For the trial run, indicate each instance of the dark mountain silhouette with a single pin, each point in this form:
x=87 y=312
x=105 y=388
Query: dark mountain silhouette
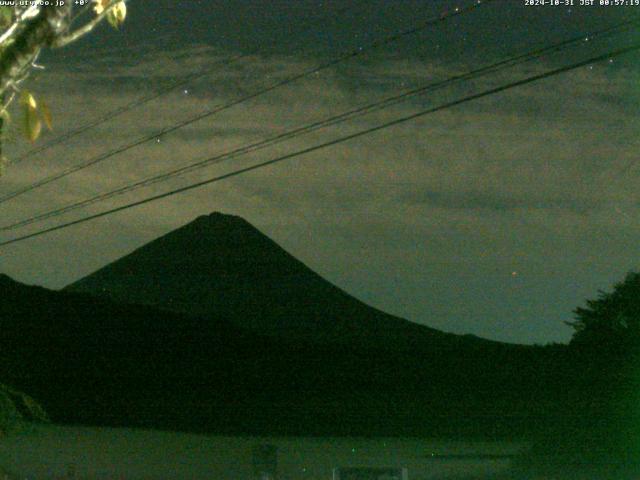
x=221 y=265
x=213 y=327
x=89 y=360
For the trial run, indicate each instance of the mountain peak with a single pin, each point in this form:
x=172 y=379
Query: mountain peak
x=218 y=217
x=220 y=264
x=217 y=225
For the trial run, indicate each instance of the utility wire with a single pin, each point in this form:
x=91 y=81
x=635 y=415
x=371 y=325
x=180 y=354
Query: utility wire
x=398 y=121
x=291 y=79
x=153 y=95
x=333 y=120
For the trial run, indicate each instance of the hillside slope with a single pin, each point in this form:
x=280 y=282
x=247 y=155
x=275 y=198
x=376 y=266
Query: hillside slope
x=91 y=361
x=221 y=265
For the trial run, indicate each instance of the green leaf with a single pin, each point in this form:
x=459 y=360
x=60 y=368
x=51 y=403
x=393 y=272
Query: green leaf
x=27 y=98
x=32 y=123
x=117 y=14
x=6 y=16
x=5 y=116
x=46 y=114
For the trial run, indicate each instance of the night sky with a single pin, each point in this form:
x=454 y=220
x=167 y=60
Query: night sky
x=497 y=217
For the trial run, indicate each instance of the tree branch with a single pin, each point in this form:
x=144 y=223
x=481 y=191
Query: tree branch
x=39 y=31
x=85 y=29
x=30 y=12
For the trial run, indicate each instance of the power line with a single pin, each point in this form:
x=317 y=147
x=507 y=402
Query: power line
x=345 y=116
x=208 y=113
x=398 y=121
x=153 y=95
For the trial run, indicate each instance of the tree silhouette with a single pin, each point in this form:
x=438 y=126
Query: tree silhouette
x=601 y=378
x=612 y=321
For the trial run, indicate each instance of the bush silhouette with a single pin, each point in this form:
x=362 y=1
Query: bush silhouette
x=612 y=321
